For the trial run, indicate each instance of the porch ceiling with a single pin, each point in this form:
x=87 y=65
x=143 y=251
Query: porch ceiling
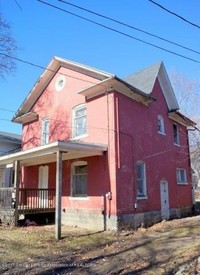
x=47 y=153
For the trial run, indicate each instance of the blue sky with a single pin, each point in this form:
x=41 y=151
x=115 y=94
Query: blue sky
x=42 y=32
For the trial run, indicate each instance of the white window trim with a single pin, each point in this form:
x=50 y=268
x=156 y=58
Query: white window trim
x=73 y=165
x=74 y=137
x=60 y=83
x=160 y=118
x=144 y=196
x=42 y=131
x=178 y=137
x=185 y=175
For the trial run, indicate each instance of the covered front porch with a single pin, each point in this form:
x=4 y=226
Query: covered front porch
x=21 y=200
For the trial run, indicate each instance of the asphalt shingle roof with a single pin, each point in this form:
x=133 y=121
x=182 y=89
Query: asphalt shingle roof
x=144 y=80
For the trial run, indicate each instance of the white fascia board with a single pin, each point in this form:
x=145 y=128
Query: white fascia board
x=179 y=118
x=94 y=149
x=167 y=89
x=93 y=72
x=97 y=88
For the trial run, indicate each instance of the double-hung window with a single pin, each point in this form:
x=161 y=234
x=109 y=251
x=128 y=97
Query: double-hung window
x=176 y=134
x=161 y=129
x=181 y=176
x=79 y=121
x=141 y=179
x=79 y=179
x=45 y=131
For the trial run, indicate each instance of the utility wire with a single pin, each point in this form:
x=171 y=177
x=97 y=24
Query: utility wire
x=129 y=26
x=7 y=110
x=119 y=32
x=47 y=69
x=173 y=13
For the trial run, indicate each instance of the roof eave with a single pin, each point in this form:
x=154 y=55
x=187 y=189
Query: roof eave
x=47 y=76
x=180 y=118
x=46 y=153
x=119 y=85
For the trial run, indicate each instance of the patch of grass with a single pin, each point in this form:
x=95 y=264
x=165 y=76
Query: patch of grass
x=20 y=243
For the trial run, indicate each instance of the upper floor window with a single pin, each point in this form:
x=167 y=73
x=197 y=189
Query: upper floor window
x=161 y=129
x=60 y=83
x=45 y=131
x=181 y=176
x=79 y=121
x=141 y=179
x=79 y=179
x=176 y=134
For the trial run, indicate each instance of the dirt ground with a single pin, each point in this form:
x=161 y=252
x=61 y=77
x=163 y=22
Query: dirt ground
x=169 y=247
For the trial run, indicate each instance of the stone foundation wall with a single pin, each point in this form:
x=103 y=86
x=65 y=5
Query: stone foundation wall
x=96 y=220
x=134 y=221
x=7 y=217
x=149 y=218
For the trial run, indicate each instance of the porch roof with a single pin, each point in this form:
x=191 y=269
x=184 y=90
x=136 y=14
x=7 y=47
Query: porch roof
x=47 y=153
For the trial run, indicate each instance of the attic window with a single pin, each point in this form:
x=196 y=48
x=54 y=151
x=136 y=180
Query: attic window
x=60 y=83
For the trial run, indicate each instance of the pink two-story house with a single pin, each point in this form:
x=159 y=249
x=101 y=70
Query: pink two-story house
x=100 y=151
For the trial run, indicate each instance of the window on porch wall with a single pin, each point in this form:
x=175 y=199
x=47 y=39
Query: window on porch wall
x=79 y=179
x=45 y=131
x=9 y=176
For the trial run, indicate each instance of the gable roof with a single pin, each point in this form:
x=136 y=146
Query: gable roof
x=144 y=80
x=137 y=86
x=46 y=77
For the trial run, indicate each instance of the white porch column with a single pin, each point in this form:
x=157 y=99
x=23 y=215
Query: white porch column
x=16 y=188
x=58 y=195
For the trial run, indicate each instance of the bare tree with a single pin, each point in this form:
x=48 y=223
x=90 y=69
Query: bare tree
x=188 y=93
x=8 y=48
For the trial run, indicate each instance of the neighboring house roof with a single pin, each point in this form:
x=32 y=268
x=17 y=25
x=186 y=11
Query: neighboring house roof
x=10 y=137
x=144 y=80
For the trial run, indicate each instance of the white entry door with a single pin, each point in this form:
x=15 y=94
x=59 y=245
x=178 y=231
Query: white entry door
x=43 y=184
x=164 y=198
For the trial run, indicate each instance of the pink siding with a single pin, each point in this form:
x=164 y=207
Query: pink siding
x=139 y=140
x=58 y=107
x=100 y=124
x=130 y=131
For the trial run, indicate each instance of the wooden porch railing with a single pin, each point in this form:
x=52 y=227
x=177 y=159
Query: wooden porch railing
x=36 y=199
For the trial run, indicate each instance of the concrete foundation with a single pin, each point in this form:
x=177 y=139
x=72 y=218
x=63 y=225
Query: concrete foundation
x=89 y=219
x=96 y=220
